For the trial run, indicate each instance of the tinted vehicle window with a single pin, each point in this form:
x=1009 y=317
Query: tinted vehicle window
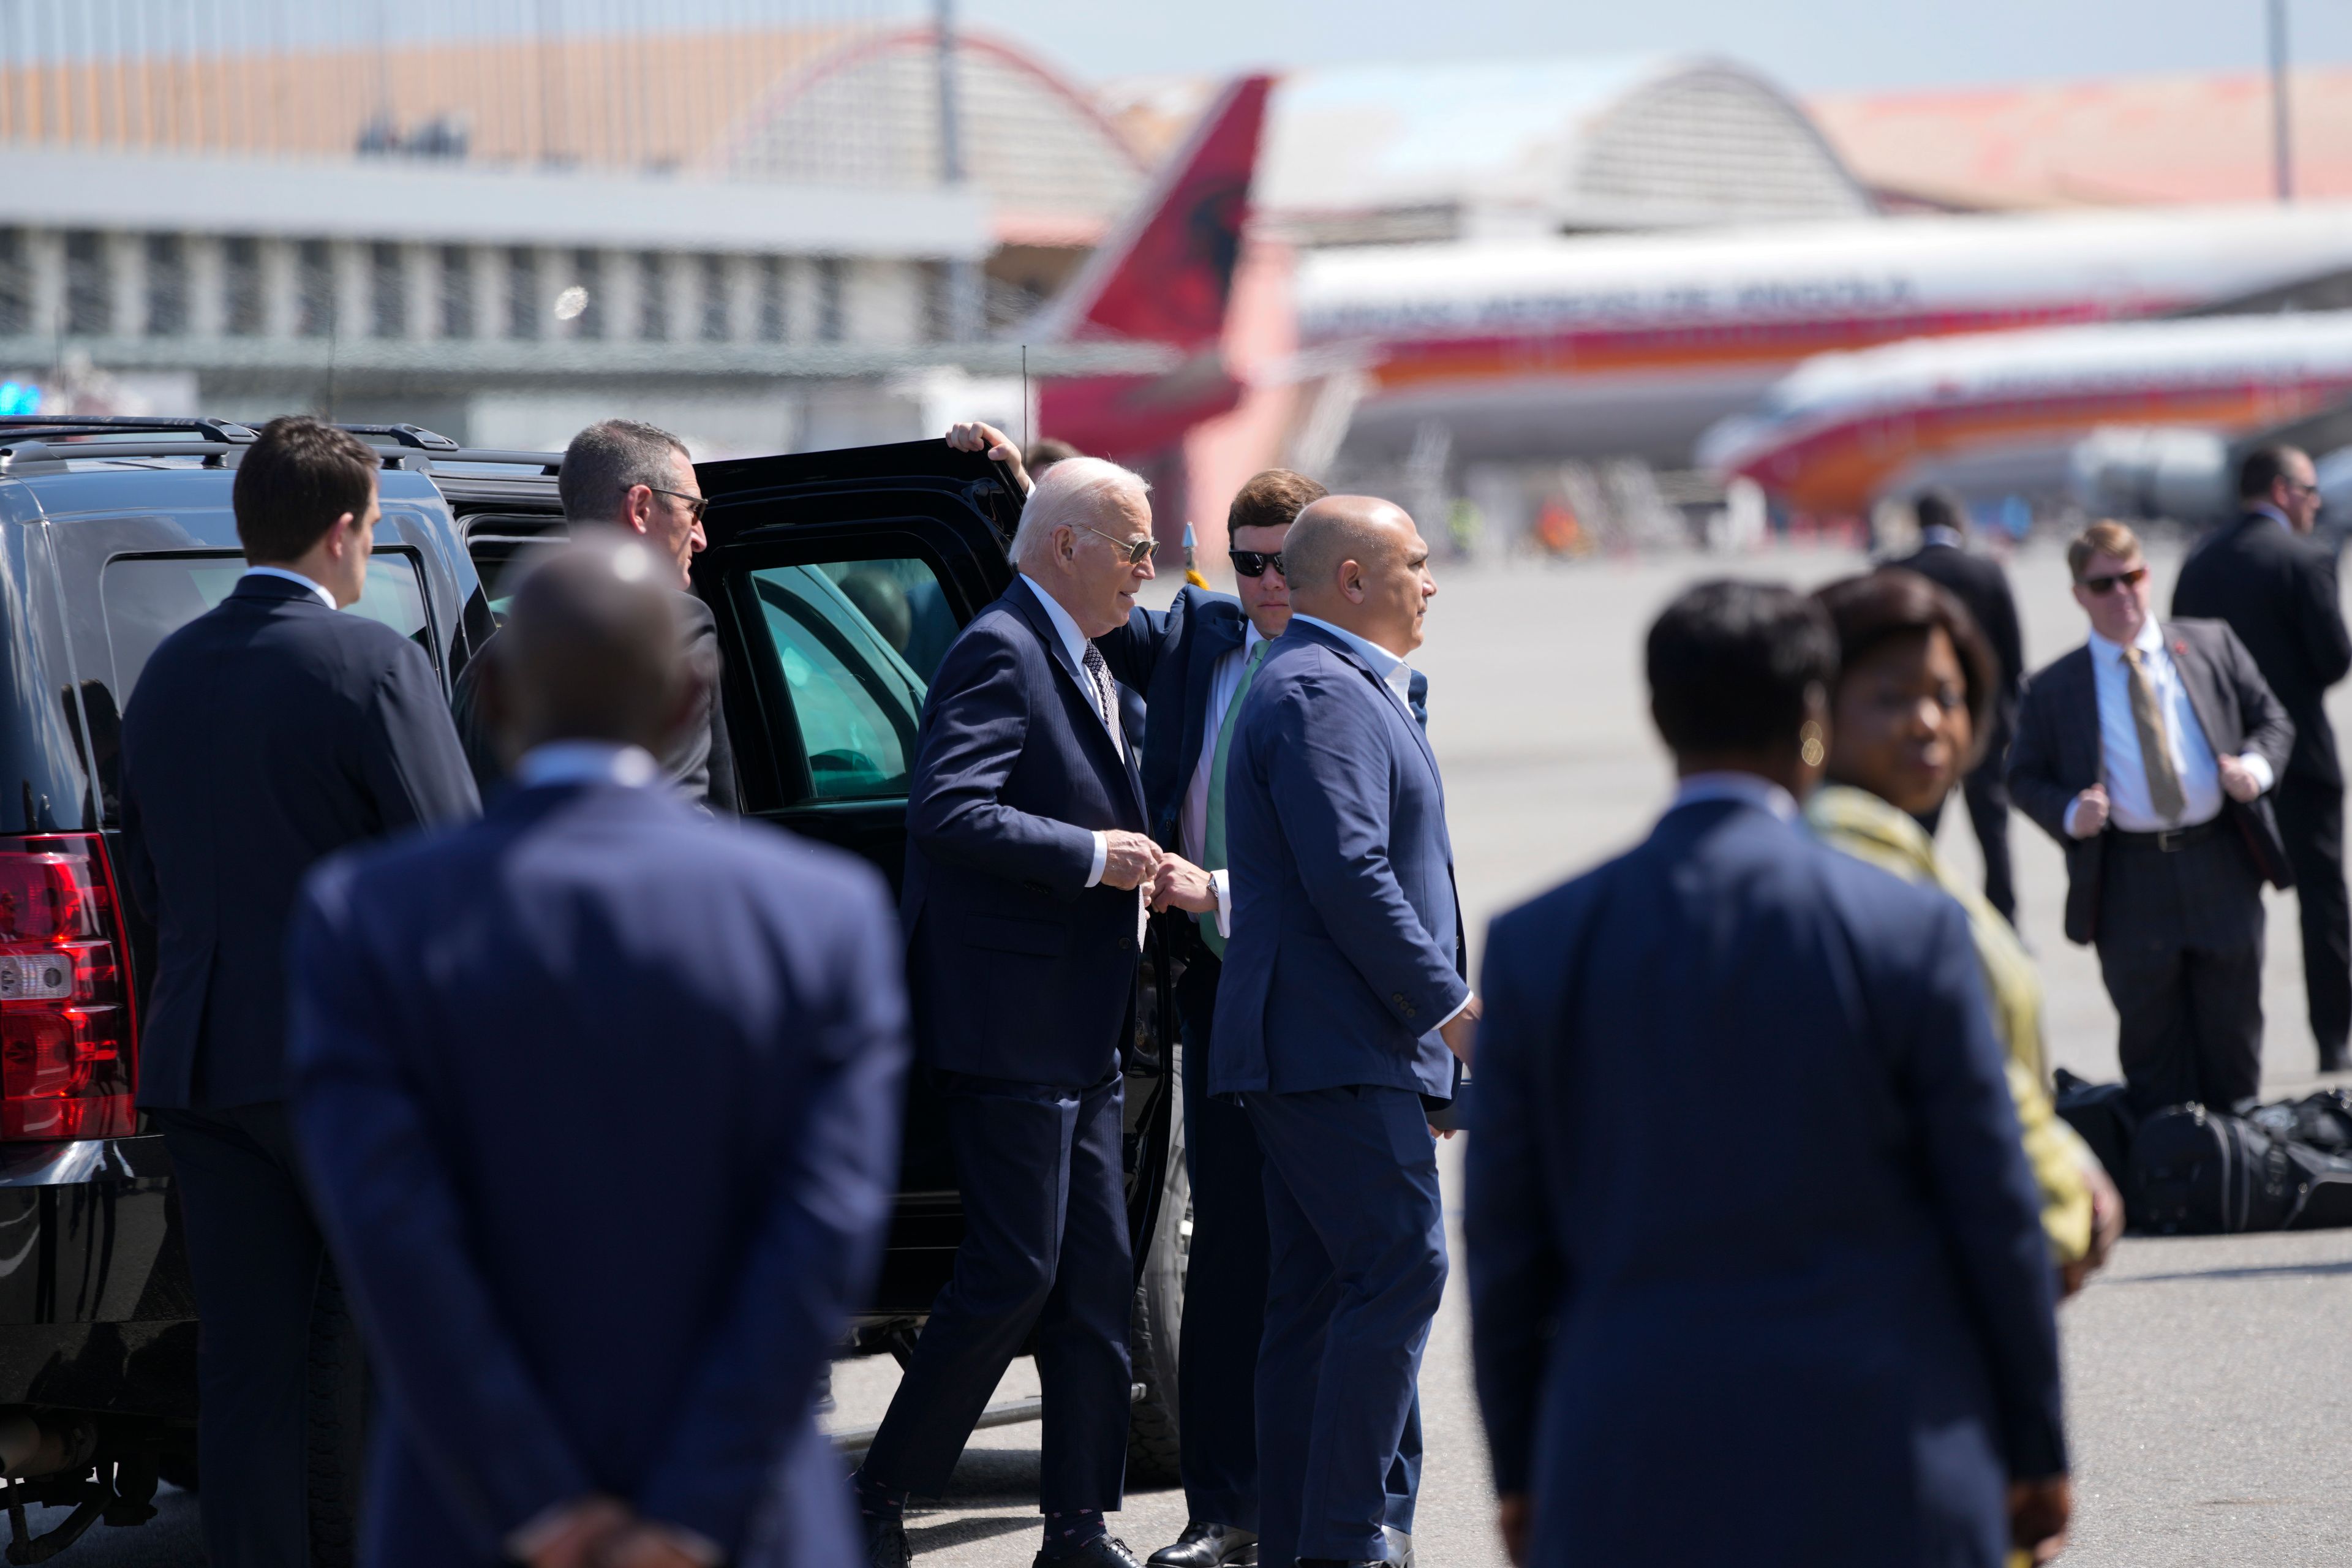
x=146 y=598
x=856 y=643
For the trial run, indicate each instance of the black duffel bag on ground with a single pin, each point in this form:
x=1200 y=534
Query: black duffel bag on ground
x=2321 y=1121
x=2195 y=1172
x=2103 y=1115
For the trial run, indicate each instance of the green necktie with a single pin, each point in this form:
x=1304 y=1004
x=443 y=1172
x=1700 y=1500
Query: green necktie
x=1212 y=830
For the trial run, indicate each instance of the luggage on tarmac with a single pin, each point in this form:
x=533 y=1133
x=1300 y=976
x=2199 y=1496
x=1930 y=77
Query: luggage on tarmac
x=2195 y=1172
x=2101 y=1114
x=2322 y=1120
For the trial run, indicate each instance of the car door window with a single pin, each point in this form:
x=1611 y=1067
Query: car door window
x=854 y=645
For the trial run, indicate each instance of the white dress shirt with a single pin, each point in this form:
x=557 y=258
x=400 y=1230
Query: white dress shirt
x=1075 y=641
x=1752 y=789
x=279 y=571
x=2128 y=805
x=2264 y=508
x=1397 y=676
x=1192 y=817
x=587 y=761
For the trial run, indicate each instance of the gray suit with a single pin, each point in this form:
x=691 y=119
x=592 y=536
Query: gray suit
x=2176 y=917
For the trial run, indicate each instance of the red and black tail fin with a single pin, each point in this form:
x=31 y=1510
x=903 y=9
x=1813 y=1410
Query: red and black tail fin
x=1164 y=274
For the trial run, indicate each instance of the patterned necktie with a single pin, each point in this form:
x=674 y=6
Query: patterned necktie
x=2155 y=742
x=1106 y=696
x=1213 y=826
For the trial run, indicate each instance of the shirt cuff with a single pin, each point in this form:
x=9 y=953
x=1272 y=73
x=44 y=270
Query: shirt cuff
x=2259 y=766
x=1466 y=1000
x=1222 y=880
x=1102 y=854
x=2066 y=822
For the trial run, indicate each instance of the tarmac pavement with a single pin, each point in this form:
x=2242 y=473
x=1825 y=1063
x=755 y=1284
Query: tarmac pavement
x=2206 y=1422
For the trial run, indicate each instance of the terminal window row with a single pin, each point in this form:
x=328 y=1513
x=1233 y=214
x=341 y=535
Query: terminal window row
x=88 y=283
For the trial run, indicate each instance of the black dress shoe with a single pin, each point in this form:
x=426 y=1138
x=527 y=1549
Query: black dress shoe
x=1206 y=1545
x=1102 y=1551
x=886 y=1543
x=2336 y=1060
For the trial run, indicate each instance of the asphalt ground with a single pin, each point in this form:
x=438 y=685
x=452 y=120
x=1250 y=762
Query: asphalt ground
x=2206 y=1422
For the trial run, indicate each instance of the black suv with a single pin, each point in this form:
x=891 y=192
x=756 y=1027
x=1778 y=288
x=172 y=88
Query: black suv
x=837 y=579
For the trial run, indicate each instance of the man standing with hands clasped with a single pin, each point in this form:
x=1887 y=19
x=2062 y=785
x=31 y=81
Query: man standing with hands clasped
x=1340 y=1015
x=2147 y=753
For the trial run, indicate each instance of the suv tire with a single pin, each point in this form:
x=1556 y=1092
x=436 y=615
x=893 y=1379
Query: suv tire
x=1159 y=1317
x=337 y=1425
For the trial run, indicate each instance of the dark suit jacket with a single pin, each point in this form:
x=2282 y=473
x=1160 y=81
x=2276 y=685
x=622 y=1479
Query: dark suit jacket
x=1977 y=581
x=1345 y=952
x=1019 y=970
x=600 y=1099
x=2277 y=590
x=2056 y=755
x=1170 y=655
x=700 y=761
x=1830 y=1341
x=266 y=734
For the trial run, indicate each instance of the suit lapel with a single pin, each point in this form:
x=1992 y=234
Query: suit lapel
x=1043 y=624
x=2082 y=691
x=2203 y=691
x=1213 y=636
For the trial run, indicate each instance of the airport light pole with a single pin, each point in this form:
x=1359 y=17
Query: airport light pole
x=965 y=321
x=2281 y=146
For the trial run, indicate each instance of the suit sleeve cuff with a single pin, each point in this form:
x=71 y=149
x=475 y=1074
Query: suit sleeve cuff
x=1102 y=854
x=1467 y=998
x=1222 y=880
x=2259 y=766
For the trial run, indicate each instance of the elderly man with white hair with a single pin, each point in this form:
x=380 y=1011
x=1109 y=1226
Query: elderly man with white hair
x=1028 y=865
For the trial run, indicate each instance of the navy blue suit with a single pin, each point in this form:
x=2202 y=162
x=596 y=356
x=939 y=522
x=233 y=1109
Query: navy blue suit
x=1024 y=985
x=1829 y=1341
x=601 y=1100
x=265 y=734
x=1345 y=957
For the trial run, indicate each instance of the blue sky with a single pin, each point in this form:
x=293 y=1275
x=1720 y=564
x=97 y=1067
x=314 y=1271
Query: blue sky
x=1806 y=44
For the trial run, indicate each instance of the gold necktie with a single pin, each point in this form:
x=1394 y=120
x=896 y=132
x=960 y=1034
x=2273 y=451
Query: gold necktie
x=2155 y=742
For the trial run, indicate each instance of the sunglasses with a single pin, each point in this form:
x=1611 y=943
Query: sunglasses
x=695 y=504
x=1254 y=563
x=2136 y=576
x=1135 y=550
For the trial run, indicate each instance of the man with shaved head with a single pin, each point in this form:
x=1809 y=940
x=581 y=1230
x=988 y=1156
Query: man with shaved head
x=499 y=1031
x=1342 y=1018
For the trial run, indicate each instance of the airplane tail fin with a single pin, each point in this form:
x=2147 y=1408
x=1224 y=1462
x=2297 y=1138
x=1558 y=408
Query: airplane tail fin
x=1165 y=273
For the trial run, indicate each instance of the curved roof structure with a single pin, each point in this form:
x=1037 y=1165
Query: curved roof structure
x=1399 y=152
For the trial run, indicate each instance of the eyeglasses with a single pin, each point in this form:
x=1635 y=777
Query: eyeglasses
x=2135 y=576
x=1254 y=563
x=1135 y=549
x=697 y=505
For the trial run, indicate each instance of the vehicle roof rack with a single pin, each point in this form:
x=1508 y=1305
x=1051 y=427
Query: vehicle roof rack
x=71 y=427
x=412 y=436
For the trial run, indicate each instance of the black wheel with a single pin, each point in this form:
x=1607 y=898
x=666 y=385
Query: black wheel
x=1152 y=1452
x=338 y=1420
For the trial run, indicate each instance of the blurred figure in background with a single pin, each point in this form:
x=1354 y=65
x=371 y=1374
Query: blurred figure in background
x=2146 y=753
x=1979 y=583
x=2276 y=588
x=1915 y=693
x=1835 y=1344
x=594 y=935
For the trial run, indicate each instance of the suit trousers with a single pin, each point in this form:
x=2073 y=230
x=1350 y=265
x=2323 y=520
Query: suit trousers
x=2181 y=947
x=1224 y=1279
x=1044 y=1248
x=2311 y=820
x=1987 y=792
x=1357 y=1231
x=259 y=1259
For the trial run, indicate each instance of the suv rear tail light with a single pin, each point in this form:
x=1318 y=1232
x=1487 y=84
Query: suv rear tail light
x=68 y=1042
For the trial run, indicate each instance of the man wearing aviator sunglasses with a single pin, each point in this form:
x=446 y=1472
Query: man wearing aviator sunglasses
x=2148 y=753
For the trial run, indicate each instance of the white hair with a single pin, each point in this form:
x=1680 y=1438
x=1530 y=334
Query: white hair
x=1076 y=492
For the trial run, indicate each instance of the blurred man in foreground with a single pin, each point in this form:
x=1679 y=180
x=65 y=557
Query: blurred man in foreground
x=636 y=481
x=1837 y=1345
x=266 y=733
x=2147 y=753
x=1341 y=1014
x=598 y=1025
x=1028 y=866
x=2276 y=588
x=1979 y=583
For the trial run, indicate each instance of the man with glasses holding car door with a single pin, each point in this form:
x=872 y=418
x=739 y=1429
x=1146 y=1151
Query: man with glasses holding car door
x=2147 y=753
x=637 y=479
